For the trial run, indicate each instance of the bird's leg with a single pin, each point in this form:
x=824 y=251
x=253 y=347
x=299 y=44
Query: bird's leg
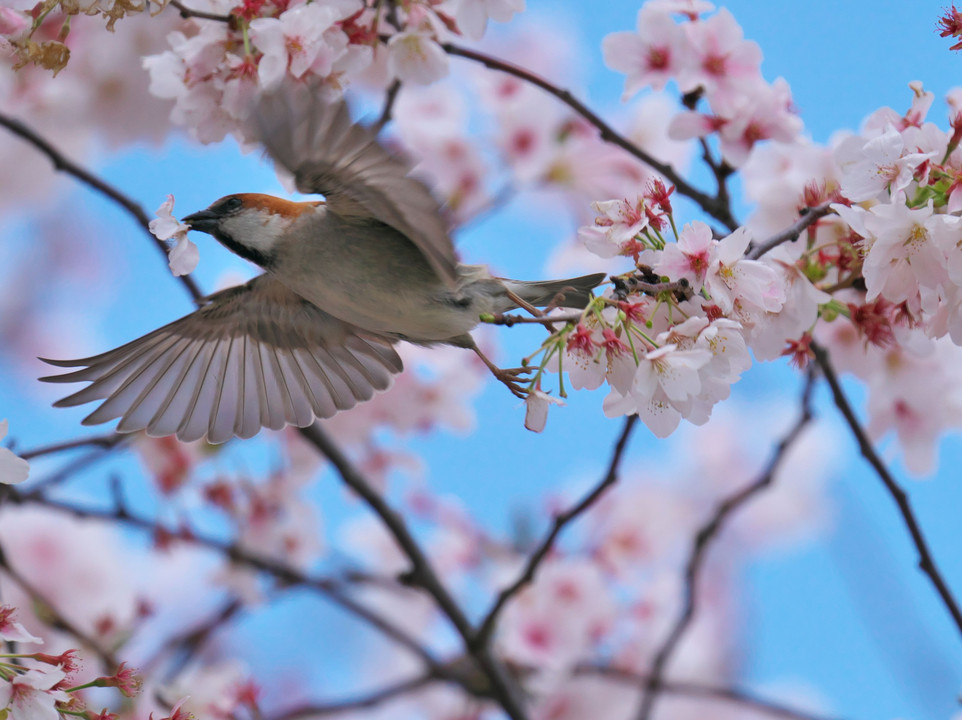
x=524 y=304
x=509 y=376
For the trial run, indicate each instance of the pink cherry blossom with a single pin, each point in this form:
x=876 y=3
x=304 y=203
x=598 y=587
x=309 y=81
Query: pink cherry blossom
x=536 y=409
x=30 y=695
x=184 y=256
x=13 y=469
x=472 y=15
x=651 y=56
x=906 y=247
x=880 y=163
x=290 y=42
x=415 y=56
x=734 y=278
x=723 y=61
x=690 y=257
x=617 y=224
x=13 y=631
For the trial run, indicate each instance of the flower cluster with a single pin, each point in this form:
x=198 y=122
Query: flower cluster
x=710 y=59
x=214 y=69
x=40 y=686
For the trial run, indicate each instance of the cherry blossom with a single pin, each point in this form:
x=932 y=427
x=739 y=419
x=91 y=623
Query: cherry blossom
x=31 y=695
x=907 y=247
x=536 y=409
x=13 y=631
x=415 y=56
x=184 y=256
x=291 y=42
x=472 y=15
x=723 y=61
x=869 y=166
x=652 y=56
x=13 y=469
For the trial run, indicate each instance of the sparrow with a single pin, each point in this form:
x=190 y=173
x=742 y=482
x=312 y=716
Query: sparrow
x=345 y=279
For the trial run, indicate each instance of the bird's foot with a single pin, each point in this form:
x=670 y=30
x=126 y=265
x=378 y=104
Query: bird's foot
x=511 y=377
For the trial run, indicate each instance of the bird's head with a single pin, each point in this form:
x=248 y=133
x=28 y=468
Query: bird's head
x=251 y=225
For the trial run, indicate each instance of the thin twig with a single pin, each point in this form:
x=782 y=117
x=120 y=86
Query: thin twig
x=503 y=687
x=734 y=696
x=186 y=645
x=721 y=170
x=699 y=552
x=104 y=442
x=546 y=320
x=715 y=207
x=364 y=702
x=186 y=12
x=809 y=217
x=926 y=561
x=63 y=164
x=387 y=111
x=560 y=522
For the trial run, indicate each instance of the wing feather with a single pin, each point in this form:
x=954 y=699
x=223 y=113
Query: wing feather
x=254 y=356
x=317 y=142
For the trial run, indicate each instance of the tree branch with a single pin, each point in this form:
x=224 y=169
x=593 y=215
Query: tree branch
x=703 y=540
x=63 y=164
x=360 y=703
x=560 y=522
x=387 y=111
x=714 y=206
x=926 y=561
x=104 y=442
x=503 y=687
x=186 y=12
x=734 y=696
x=809 y=217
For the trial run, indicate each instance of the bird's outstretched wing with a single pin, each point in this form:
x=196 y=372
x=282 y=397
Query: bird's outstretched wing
x=255 y=356
x=328 y=154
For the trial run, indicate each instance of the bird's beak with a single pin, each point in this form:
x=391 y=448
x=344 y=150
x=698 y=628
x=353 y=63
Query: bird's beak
x=205 y=221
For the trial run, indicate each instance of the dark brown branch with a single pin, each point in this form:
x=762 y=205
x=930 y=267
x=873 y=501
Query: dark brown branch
x=364 y=702
x=186 y=12
x=187 y=644
x=721 y=170
x=653 y=683
x=926 y=561
x=333 y=590
x=390 y=96
x=734 y=696
x=560 y=522
x=503 y=687
x=714 y=206
x=809 y=217
x=63 y=164
x=104 y=442
x=509 y=320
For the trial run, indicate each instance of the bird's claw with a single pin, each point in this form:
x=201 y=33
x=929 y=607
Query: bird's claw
x=510 y=377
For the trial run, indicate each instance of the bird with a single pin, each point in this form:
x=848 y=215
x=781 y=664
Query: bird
x=345 y=279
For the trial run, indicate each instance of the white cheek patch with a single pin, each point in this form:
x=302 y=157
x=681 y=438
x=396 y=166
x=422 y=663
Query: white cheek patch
x=257 y=230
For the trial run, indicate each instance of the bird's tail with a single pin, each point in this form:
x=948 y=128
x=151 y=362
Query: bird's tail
x=570 y=293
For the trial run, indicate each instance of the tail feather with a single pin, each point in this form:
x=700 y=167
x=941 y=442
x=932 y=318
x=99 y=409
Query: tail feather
x=569 y=293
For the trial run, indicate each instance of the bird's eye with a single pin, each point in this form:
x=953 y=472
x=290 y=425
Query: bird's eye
x=229 y=205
